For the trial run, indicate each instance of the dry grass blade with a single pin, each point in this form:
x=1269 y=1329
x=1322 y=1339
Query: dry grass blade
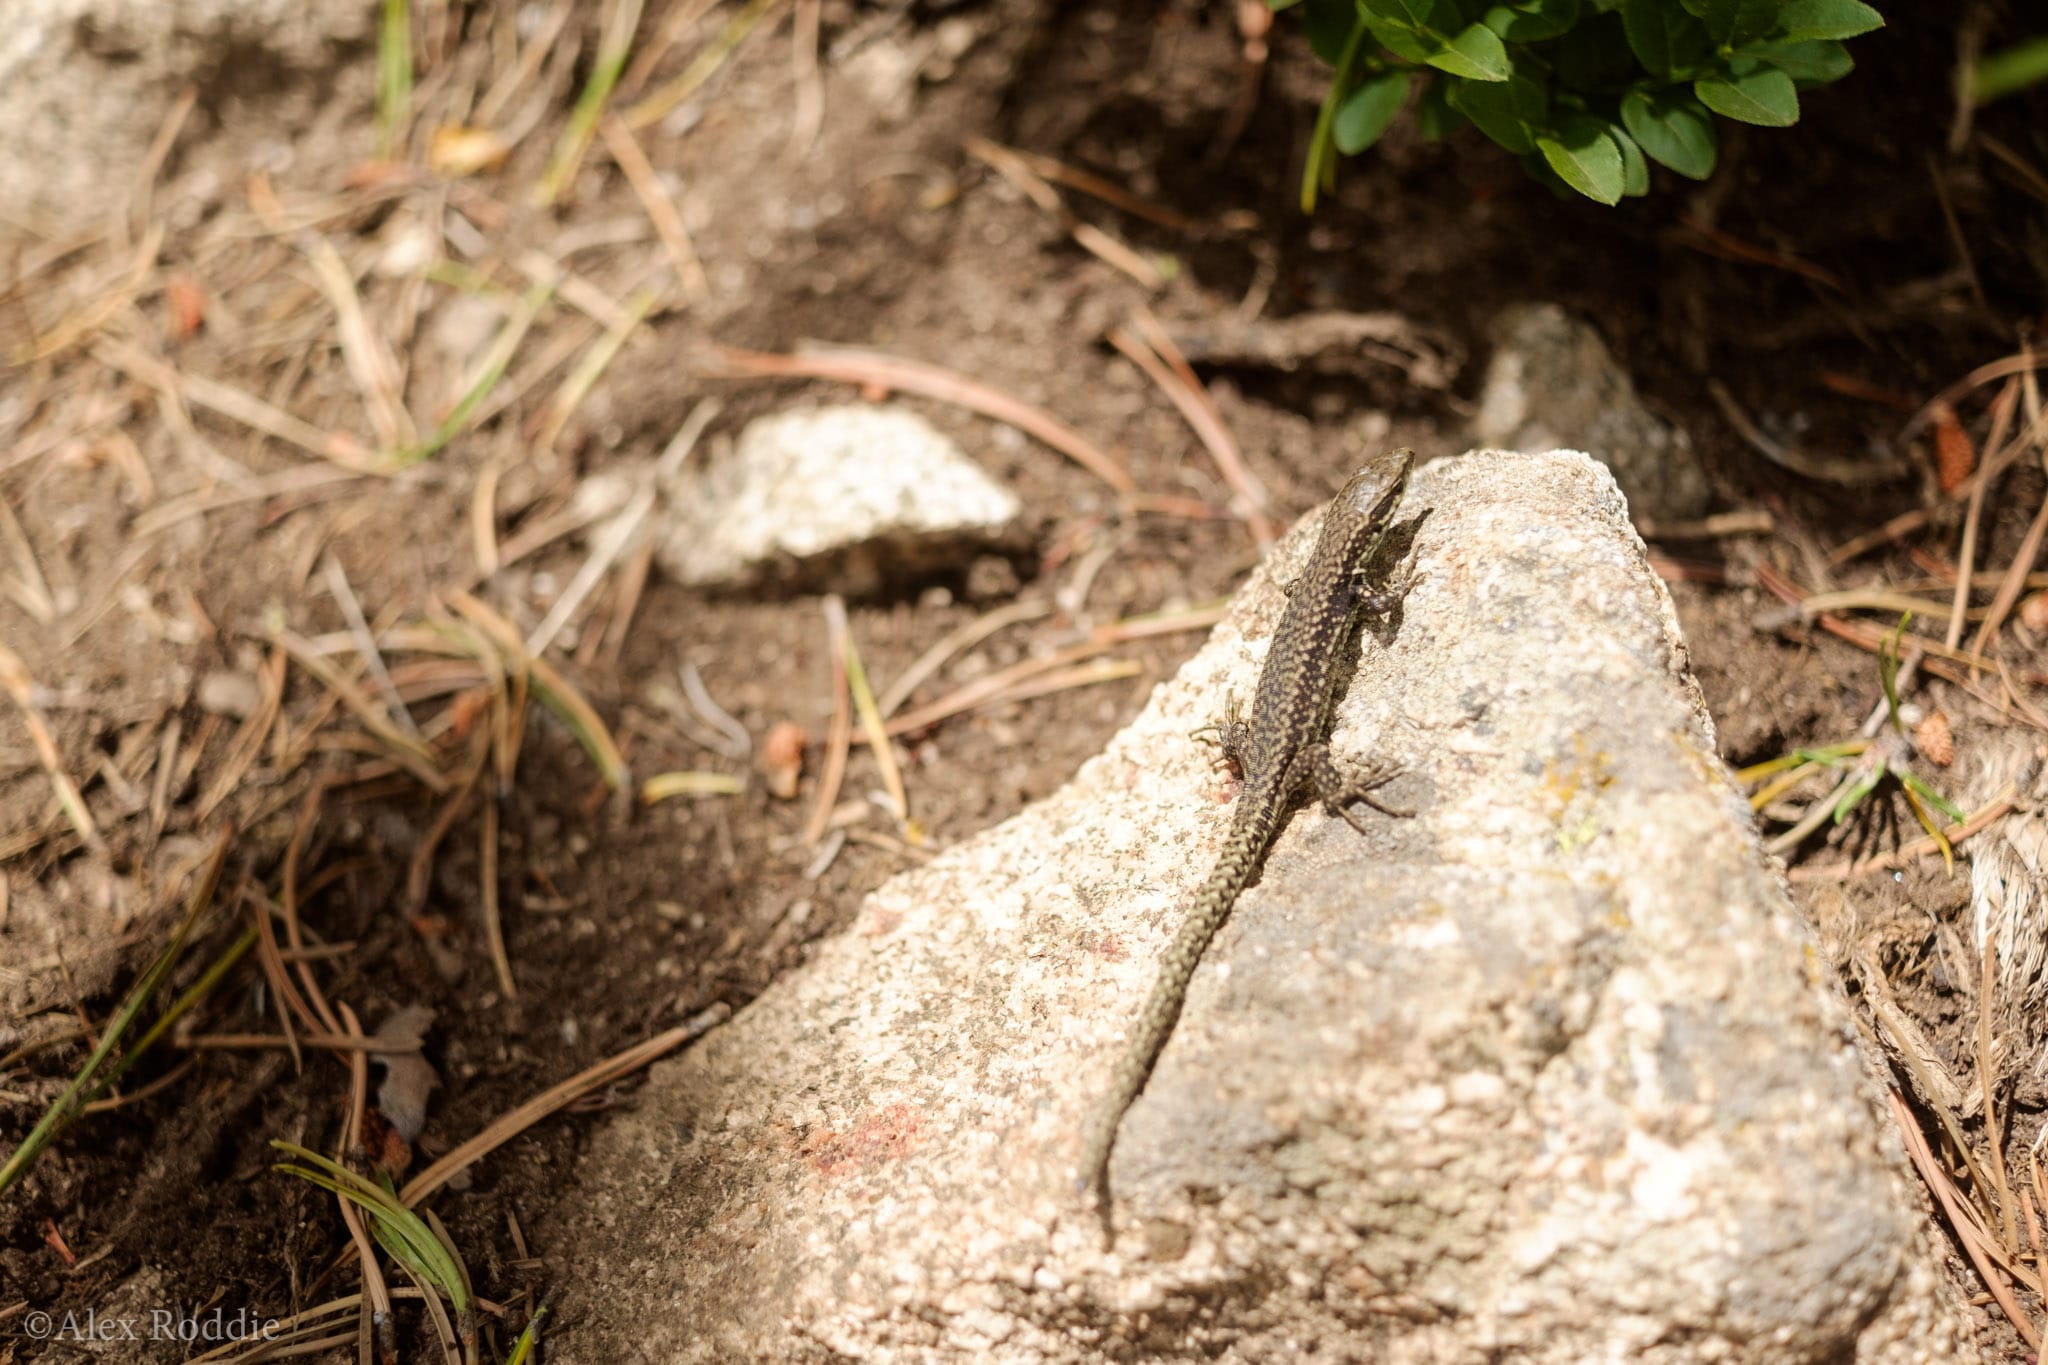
x=487 y=882
x=15 y=680
x=1869 y=638
x=1148 y=346
x=870 y=717
x=87 y=321
x=376 y=1293
x=2015 y=580
x=1066 y=679
x=420 y=870
x=369 y=361
x=931 y=381
x=411 y=754
x=366 y=643
x=621 y=18
x=2002 y=409
x=286 y=1000
x=990 y=687
x=137 y=218
x=300 y=481
x=232 y=403
x=702 y=68
x=483 y=519
x=2000 y=805
x=509 y=1126
x=668 y=223
x=603 y=649
x=327 y=1042
x=1886 y=600
x=533 y=52
x=294 y=851
x=1975 y=1240
x=810 y=89
x=1987 y=1081
x=1087 y=236
x=681 y=18
x=1160 y=623
x=993 y=688
x=550 y=688
x=28 y=588
x=1115 y=195
x=1975 y=379
x=576 y=387
x=295 y=1335
x=838 y=741
x=572 y=288
x=954 y=642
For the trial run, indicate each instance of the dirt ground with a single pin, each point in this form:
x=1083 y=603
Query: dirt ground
x=1829 y=280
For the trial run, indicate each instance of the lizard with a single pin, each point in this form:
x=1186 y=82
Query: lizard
x=1278 y=752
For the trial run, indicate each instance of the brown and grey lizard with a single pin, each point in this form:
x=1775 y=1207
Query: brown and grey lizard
x=1279 y=751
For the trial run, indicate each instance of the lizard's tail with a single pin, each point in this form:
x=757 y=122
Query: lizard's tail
x=1251 y=830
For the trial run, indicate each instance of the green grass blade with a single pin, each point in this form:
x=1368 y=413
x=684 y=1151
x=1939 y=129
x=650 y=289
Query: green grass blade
x=394 y=75
x=89 y=1081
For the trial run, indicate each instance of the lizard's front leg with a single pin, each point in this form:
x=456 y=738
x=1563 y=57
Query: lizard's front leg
x=1233 y=733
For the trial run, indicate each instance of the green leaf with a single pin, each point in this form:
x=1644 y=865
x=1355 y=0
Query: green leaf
x=1809 y=19
x=1672 y=129
x=1277 y=5
x=1932 y=797
x=1819 y=62
x=2010 y=69
x=1397 y=37
x=1474 y=52
x=1762 y=95
x=1664 y=39
x=1366 y=111
x=1585 y=158
x=1858 y=787
x=1412 y=12
x=1531 y=22
x=1635 y=172
x=1503 y=110
x=1735 y=22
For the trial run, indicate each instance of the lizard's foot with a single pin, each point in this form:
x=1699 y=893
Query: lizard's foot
x=1380 y=602
x=1340 y=790
x=1233 y=733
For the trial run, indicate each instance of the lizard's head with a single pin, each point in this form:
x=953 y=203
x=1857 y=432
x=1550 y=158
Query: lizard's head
x=1366 y=504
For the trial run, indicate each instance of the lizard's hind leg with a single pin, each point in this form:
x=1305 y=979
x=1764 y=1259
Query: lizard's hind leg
x=1340 y=788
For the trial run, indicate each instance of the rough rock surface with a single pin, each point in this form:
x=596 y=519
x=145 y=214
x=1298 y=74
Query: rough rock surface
x=848 y=496
x=85 y=85
x=1547 y=1072
x=1552 y=382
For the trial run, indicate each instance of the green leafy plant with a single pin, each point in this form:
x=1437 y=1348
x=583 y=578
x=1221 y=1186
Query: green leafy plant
x=403 y=1234
x=2010 y=70
x=1586 y=92
x=1862 y=765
